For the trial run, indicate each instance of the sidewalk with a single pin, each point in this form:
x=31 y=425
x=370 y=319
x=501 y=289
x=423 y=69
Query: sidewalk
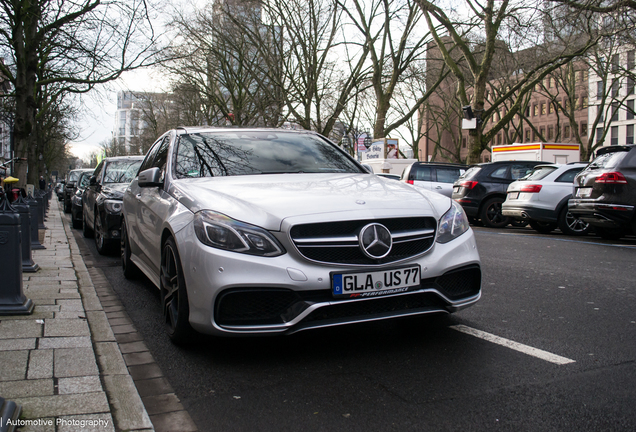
x=62 y=364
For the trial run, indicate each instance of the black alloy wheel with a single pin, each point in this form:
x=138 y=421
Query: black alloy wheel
x=570 y=225
x=543 y=227
x=129 y=268
x=176 y=310
x=102 y=245
x=491 y=215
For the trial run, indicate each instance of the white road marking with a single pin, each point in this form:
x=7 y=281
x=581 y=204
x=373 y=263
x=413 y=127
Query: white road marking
x=525 y=349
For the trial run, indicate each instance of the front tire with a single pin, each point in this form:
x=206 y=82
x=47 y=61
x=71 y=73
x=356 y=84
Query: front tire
x=130 y=270
x=174 y=295
x=86 y=231
x=570 y=225
x=491 y=215
x=103 y=245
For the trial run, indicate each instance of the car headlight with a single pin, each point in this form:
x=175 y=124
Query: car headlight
x=113 y=206
x=219 y=231
x=453 y=224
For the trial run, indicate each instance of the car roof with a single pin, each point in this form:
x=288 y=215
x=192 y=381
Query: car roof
x=614 y=148
x=116 y=158
x=450 y=164
x=181 y=130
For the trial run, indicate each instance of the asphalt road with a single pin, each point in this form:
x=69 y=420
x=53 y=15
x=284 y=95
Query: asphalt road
x=551 y=346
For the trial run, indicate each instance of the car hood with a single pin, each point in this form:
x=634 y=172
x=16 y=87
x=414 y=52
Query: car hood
x=267 y=200
x=114 y=190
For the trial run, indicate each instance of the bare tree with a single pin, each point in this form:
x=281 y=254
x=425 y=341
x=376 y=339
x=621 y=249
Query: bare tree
x=68 y=46
x=491 y=23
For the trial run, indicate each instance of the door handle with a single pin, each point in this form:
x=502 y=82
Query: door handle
x=438 y=187
x=138 y=196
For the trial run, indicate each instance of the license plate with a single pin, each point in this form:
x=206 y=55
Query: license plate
x=456 y=189
x=513 y=195
x=373 y=284
x=583 y=192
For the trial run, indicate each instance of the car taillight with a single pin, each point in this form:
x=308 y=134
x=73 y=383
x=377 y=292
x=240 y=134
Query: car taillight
x=531 y=188
x=410 y=182
x=468 y=184
x=611 y=178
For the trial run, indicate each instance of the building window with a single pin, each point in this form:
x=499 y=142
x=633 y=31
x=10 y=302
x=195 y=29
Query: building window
x=527 y=112
x=614 y=111
x=630 y=85
x=600 y=113
x=550 y=133
x=566 y=131
x=583 y=129
x=615 y=63
x=629 y=134
x=543 y=108
x=629 y=111
x=614 y=135
x=615 y=85
x=527 y=135
x=599 y=134
x=542 y=132
x=585 y=104
x=631 y=59
x=463 y=142
x=536 y=110
x=600 y=89
x=551 y=108
x=499 y=139
x=551 y=82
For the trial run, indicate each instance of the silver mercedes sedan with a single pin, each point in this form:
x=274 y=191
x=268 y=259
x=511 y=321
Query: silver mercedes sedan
x=266 y=231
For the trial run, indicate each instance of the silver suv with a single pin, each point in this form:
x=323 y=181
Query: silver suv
x=261 y=231
x=434 y=176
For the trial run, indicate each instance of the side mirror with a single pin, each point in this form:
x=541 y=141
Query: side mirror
x=150 y=177
x=92 y=181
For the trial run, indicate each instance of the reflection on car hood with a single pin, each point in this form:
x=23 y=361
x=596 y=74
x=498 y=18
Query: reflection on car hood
x=265 y=200
x=115 y=190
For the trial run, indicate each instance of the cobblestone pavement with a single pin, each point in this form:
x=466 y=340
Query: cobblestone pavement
x=62 y=363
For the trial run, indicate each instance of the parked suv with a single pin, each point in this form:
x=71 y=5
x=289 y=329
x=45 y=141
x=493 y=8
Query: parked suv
x=71 y=186
x=605 y=192
x=101 y=200
x=434 y=176
x=542 y=197
x=482 y=189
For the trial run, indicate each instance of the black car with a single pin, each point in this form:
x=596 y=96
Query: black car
x=605 y=192
x=102 y=200
x=71 y=186
x=434 y=176
x=482 y=189
x=76 y=200
x=59 y=190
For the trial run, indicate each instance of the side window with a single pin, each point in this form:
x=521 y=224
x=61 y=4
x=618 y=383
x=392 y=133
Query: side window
x=568 y=176
x=98 y=171
x=421 y=173
x=447 y=175
x=162 y=156
x=150 y=156
x=499 y=173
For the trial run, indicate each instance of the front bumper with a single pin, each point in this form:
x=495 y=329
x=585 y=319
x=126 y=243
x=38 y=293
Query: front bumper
x=237 y=294
x=112 y=225
x=601 y=214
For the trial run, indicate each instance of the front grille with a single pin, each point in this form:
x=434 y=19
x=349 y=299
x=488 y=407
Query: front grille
x=460 y=283
x=337 y=242
x=255 y=306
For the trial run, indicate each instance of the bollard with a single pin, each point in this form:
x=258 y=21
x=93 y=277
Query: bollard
x=41 y=209
x=28 y=265
x=9 y=415
x=12 y=298
x=35 y=234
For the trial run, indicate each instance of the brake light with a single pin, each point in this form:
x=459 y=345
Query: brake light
x=410 y=182
x=611 y=178
x=468 y=184
x=531 y=188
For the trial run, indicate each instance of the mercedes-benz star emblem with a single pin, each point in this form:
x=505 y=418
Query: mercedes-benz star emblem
x=375 y=241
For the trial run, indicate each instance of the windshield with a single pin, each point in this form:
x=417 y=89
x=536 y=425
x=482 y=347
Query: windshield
x=122 y=171
x=539 y=173
x=212 y=154
x=73 y=175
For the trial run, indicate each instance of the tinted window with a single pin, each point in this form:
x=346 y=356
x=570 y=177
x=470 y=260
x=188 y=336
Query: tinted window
x=162 y=155
x=568 y=176
x=540 y=173
x=84 y=179
x=471 y=172
x=213 y=154
x=608 y=160
x=122 y=171
x=518 y=171
x=98 y=171
x=499 y=173
x=421 y=173
x=150 y=156
x=447 y=175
